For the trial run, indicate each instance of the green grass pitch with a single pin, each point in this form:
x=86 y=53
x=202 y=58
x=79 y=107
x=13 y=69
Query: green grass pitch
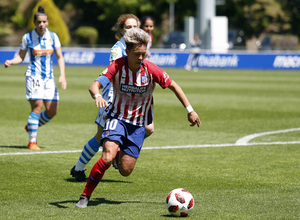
x=257 y=180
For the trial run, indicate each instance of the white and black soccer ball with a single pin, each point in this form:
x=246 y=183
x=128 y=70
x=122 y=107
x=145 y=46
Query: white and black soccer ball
x=180 y=202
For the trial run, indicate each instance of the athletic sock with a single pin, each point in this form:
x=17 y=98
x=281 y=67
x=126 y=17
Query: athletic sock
x=95 y=176
x=89 y=150
x=33 y=124
x=45 y=118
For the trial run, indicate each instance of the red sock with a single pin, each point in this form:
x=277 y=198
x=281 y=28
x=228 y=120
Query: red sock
x=95 y=176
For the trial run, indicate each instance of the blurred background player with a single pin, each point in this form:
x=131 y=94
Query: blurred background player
x=40 y=84
x=123 y=24
x=147 y=24
x=130 y=111
x=195 y=51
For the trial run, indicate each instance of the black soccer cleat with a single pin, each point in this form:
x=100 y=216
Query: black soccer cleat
x=79 y=175
x=114 y=164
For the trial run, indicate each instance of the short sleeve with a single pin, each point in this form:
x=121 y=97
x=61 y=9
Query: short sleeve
x=115 y=53
x=57 y=43
x=24 y=43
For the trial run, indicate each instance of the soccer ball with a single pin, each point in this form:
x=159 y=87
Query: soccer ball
x=180 y=202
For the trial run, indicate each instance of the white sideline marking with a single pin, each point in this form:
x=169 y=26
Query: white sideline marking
x=240 y=142
x=155 y=148
x=246 y=139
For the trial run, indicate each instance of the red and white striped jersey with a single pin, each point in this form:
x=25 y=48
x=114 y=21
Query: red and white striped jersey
x=133 y=100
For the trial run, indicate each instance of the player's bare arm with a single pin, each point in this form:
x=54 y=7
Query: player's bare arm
x=94 y=91
x=192 y=115
x=16 y=60
x=61 y=65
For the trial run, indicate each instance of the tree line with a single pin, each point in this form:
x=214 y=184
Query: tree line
x=254 y=17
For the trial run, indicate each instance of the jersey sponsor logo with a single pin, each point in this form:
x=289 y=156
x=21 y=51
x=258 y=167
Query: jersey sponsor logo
x=42 y=52
x=133 y=89
x=114 y=54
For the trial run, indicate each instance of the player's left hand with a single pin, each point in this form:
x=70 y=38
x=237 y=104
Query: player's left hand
x=194 y=119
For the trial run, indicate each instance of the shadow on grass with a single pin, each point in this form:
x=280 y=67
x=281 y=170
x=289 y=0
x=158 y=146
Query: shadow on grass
x=17 y=147
x=169 y=216
x=92 y=202
x=73 y=180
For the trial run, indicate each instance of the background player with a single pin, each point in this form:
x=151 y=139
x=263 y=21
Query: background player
x=147 y=24
x=40 y=85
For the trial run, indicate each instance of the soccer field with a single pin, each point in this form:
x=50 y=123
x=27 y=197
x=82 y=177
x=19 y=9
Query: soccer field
x=242 y=163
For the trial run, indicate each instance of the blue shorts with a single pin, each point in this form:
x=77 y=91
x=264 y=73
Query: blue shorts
x=130 y=137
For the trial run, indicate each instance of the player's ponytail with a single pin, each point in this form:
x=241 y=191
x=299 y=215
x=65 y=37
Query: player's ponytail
x=40 y=12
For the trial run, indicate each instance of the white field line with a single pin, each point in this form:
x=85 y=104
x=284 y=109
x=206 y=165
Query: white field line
x=155 y=148
x=246 y=139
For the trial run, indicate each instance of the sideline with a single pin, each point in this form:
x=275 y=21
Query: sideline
x=244 y=141
x=156 y=148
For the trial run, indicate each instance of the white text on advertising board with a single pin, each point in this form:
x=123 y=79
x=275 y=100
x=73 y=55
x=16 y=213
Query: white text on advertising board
x=217 y=61
x=287 y=62
x=164 y=60
x=79 y=57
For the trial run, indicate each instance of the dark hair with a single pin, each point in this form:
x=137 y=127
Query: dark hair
x=144 y=19
x=40 y=12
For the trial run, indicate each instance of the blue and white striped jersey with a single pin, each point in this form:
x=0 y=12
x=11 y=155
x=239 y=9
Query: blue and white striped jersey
x=118 y=50
x=40 y=51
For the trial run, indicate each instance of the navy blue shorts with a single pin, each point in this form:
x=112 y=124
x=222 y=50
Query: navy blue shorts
x=130 y=137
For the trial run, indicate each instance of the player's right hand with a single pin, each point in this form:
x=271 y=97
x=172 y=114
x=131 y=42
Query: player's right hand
x=7 y=63
x=100 y=102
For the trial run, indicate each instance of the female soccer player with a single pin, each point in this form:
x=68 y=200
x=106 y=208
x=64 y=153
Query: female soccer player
x=40 y=84
x=133 y=80
x=124 y=23
x=147 y=24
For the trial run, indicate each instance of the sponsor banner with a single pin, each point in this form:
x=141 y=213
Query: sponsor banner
x=244 y=61
x=177 y=59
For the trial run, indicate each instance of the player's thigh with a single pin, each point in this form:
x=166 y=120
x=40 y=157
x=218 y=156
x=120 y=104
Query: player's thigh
x=149 y=129
x=126 y=163
x=98 y=136
x=110 y=149
x=36 y=106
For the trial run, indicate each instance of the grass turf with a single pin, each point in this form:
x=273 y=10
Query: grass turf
x=237 y=182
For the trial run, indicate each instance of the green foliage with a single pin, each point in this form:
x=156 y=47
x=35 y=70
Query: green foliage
x=4 y=32
x=252 y=16
x=18 y=20
x=236 y=182
x=256 y=17
x=86 y=35
x=56 y=22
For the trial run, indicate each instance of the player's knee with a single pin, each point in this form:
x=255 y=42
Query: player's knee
x=125 y=172
x=51 y=113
